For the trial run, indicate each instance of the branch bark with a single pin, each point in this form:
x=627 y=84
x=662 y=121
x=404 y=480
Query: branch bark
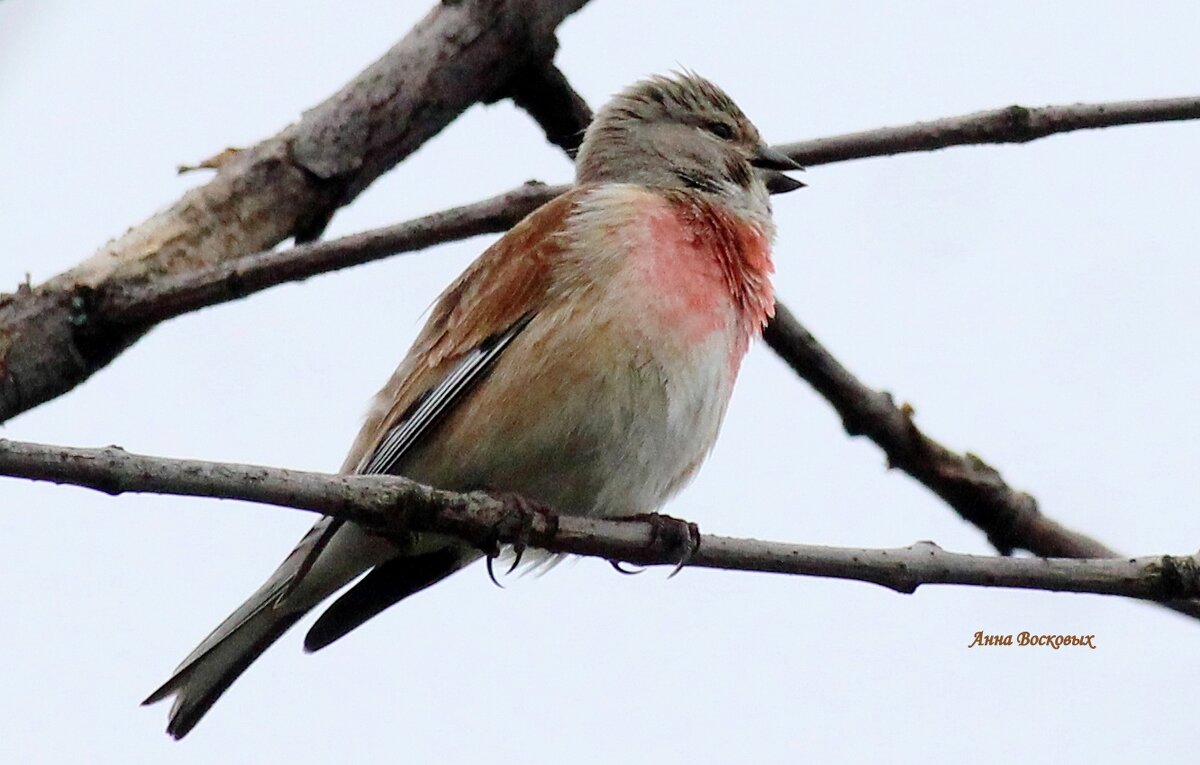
x=543 y=92
x=142 y=299
x=393 y=505
x=975 y=490
x=1011 y=124
x=288 y=185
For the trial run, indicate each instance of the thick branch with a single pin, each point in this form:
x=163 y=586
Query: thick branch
x=393 y=505
x=286 y=186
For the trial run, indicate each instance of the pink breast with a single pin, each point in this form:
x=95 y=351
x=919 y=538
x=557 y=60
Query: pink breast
x=706 y=270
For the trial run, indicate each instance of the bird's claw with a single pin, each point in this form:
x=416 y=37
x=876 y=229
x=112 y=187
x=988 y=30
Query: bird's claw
x=518 y=552
x=674 y=533
x=525 y=511
x=616 y=564
x=491 y=549
x=492 y=572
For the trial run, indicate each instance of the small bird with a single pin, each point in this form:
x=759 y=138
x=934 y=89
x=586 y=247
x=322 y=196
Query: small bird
x=584 y=361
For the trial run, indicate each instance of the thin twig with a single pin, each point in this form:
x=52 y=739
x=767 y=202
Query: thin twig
x=394 y=505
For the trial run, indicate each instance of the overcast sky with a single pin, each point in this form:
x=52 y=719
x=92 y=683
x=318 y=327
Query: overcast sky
x=1036 y=304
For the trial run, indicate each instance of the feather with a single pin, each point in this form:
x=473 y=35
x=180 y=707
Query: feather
x=431 y=405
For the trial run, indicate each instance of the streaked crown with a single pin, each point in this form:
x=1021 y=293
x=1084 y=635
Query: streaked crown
x=682 y=132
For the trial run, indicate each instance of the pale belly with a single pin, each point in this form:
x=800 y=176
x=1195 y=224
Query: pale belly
x=609 y=422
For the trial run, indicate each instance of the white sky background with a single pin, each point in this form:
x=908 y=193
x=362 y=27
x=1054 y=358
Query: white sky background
x=1035 y=303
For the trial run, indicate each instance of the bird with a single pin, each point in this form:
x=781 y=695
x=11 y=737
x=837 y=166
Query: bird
x=583 y=362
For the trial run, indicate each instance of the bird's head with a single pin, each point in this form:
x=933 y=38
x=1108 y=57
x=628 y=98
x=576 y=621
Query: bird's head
x=683 y=132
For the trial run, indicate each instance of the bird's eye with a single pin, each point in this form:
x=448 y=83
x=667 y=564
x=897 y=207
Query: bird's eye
x=721 y=130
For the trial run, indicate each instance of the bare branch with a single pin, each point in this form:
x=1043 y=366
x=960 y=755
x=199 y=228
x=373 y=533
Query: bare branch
x=52 y=338
x=288 y=185
x=1012 y=124
x=393 y=505
x=140 y=299
x=975 y=490
x=543 y=91
x=1010 y=518
x=111 y=315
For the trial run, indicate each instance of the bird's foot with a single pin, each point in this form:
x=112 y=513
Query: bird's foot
x=673 y=533
x=525 y=512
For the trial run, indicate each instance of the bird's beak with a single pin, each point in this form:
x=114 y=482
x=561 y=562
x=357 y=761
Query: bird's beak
x=772 y=162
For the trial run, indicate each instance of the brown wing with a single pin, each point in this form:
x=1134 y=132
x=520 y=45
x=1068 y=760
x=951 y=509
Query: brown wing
x=503 y=288
x=471 y=324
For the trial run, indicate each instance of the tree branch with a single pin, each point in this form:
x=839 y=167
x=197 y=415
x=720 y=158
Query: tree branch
x=1011 y=124
x=142 y=299
x=288 y=185
x=394 y=505
x=52 y=337
x=1010 y=518
x=103 y=318
x=974 y=489
x=544 y=93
